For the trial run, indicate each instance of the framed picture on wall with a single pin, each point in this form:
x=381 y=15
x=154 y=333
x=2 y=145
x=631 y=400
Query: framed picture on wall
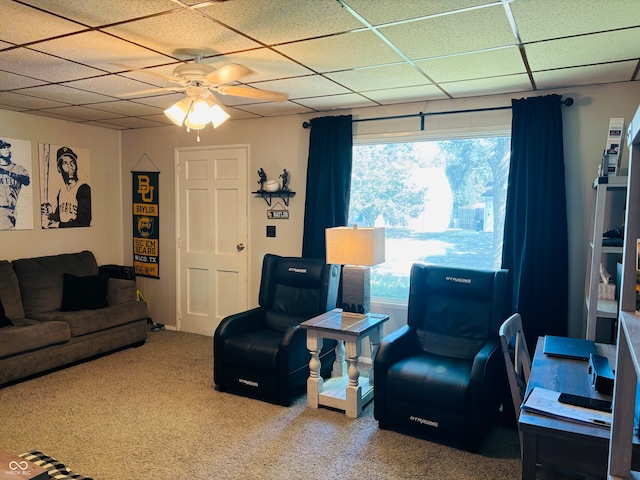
x=16 y=198
x=65 y=186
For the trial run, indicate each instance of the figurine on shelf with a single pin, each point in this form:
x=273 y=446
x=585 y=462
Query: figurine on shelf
x=263 y=179
x=285 y=180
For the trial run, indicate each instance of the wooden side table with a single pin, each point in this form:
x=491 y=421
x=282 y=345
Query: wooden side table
x=346 y=389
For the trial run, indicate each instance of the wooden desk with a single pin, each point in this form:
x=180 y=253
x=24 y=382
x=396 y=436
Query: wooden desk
x=346 y=389
x=557 y=443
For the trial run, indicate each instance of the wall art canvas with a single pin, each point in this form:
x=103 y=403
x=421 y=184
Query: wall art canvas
x=16 y=197
x=65 y=186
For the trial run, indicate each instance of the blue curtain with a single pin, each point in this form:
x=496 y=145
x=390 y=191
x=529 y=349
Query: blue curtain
x=535 y=246
x=328 y=181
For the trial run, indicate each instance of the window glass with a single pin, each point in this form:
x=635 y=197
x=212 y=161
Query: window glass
x=440 y=202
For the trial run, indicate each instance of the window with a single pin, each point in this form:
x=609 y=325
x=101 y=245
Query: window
x=440 y=202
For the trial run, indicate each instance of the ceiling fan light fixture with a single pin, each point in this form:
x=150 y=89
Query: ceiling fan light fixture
x=177 y=112
x=218 y=115
x=199 y=114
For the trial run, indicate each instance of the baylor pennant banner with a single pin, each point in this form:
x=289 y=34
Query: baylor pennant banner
x=146 y=226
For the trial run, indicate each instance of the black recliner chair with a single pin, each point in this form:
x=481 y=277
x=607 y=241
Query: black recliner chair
x=262 y=353
x=441 y=376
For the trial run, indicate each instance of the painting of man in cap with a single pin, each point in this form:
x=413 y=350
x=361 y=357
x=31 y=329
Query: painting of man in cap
x=13 y=177
x=71 y=205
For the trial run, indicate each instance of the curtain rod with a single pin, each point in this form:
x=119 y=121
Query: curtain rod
x=568 y=102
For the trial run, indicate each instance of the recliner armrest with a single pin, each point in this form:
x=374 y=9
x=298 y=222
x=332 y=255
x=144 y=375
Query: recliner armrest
x=480 y=362
x=396 y=346
x=240 y=323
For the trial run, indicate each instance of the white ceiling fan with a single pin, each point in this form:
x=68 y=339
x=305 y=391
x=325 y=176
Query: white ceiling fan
x=198 y=79
x=200 y=82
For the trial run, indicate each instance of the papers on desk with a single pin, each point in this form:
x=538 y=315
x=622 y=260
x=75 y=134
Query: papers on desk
x=545 y=402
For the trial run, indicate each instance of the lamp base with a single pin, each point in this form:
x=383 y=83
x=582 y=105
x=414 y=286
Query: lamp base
x=356 y=297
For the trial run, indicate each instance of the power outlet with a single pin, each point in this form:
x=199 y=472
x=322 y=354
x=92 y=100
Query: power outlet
x=271 y=230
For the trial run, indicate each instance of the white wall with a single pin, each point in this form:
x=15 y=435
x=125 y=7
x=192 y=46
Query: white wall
x=277 y=143
x=103 y=237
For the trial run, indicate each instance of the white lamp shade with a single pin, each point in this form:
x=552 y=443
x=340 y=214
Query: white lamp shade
x=355 y=246
x=178 y=111
x=218 y=116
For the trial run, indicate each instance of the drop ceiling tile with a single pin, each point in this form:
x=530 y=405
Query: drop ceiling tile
x=114 y=85
x=83 y=113
x=351 y=50
x=334 y=102
x=373 y=78
x=123 y=107
x=161 y=101
x=183 y=30
x=301 y=87
x=237 y=114
x=17 y=18
x=106 y=125
x=64 y=94
x=100 y=50
x=407 y=94
x=489 y=63
x=279 y=21
x=58 y=116
x=10 y=81
x=29 y=63
x=13 y=108
x=584 y=50
x=566 y=77
x=545 y=19
x=133 y=122
x=153 y=76
x=450 y=34
x=378 y=12
x=492 y=86
x=270 y=110
x=27 y=102
x=100 y=12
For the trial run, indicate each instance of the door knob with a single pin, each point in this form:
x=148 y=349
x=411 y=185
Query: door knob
x=240 y=247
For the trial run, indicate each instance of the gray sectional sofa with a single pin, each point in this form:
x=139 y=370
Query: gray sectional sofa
x=58 y=310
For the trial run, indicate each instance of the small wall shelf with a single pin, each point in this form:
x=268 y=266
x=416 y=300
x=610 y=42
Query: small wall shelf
x=268 y=196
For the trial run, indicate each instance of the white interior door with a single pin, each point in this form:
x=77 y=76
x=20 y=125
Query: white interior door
x=212 y=236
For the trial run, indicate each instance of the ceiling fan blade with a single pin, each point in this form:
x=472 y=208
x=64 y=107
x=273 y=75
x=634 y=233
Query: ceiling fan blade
x=152 y=90
x=252 y=93
x=228 y=73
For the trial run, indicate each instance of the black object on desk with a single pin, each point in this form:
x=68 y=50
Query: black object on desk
x=601 y=374
x=567 y=347
x=585 y=402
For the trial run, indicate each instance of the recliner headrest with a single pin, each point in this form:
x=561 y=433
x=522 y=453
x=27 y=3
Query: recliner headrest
x=300 y=273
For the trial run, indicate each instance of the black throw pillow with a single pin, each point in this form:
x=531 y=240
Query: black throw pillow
x=4 y=321
x=84 y=293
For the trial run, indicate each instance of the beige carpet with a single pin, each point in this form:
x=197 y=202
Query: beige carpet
x=152 y=413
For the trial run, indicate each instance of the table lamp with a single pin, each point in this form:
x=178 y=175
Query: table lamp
x=357 y=249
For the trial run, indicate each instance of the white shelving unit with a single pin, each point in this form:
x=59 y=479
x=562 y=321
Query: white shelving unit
x=628 y=356
x=598 y=308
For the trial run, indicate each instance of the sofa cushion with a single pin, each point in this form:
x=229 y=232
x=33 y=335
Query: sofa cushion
x=10 y=291
x=31 y=335
x=83 y=322
x=41 y=278
x=84 y=293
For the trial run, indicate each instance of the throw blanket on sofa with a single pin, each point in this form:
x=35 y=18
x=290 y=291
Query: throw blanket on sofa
x=57 y=470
